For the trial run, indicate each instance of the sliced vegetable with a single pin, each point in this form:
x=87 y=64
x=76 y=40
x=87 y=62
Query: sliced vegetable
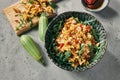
x=88 y=28
x=81 y=49
x=31 y=48
x=42 y=26
x=21 y=23
x=61 y=45
x=17 y=28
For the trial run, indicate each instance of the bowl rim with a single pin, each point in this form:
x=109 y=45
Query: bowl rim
x=103 y=6
x=95 y=62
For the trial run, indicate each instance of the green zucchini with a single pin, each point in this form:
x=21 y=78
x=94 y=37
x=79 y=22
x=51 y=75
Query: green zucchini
x=42 y=26
x=31 y=47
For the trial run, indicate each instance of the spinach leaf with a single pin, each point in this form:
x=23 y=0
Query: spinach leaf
x=98 y=52
x=81 y=49
x=53 y=5
x=60 y=56
x=89 y=21
x=102 y=43
x=56 y=28
x=67 y=55
x=60 y=25
x=93 y=48
x=94 y=33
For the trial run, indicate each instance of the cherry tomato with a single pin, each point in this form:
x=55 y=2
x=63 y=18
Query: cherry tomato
x=88 y=28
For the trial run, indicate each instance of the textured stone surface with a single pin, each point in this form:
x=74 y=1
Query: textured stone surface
x=16 y=64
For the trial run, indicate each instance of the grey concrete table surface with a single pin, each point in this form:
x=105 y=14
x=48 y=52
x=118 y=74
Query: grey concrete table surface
x=17 y=64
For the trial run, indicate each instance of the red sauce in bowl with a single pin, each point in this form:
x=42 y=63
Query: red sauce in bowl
x=93 y=4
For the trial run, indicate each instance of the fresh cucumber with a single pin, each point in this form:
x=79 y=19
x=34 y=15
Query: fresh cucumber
x=29 y=44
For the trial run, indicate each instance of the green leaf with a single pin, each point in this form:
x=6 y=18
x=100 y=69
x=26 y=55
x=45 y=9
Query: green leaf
x=94 y=33
x=31 y=1
x=56 y=28
x=93 y=48
x=89 y=21
x=60 y=55
x=21 y=22
x=102 y=44
x=99 y=50
x=67 y=55
x=96 y=56
x=17 y=28
x=53 y=5
x=60 y=25
x=81 y=49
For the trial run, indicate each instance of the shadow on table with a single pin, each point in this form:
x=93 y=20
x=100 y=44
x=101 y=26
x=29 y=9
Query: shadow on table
x=107 y=13
x=107 y=69
x=43 y=52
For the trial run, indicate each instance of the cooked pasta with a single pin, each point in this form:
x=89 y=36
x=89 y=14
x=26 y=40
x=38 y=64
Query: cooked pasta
x=76 y=38
x=32 y=9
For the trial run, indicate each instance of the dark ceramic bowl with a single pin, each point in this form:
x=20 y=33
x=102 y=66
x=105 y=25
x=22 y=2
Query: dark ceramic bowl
x=53 y=31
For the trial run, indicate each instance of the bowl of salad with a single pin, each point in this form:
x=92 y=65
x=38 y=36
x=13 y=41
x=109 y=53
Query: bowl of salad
x=75 y=41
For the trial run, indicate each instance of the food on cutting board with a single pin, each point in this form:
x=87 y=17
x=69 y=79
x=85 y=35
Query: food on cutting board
x=31 y=47
x=76 y=42
x=25 y=14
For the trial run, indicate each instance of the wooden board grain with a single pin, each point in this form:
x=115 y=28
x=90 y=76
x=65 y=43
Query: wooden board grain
x=10 y=13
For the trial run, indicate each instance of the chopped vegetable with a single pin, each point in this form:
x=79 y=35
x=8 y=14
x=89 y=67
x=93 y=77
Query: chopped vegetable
x=21 y=23
x=17 y=28
x=81 y=49
x=61 y=45
x=31 y=47
x=67 y=55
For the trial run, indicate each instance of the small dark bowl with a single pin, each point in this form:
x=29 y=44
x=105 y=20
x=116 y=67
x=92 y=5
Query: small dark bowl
x=51 y=35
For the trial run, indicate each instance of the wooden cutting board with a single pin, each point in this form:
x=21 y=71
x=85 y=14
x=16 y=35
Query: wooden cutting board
x=10 y=13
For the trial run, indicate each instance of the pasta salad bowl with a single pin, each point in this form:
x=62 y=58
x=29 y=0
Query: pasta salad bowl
x=75 y=41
